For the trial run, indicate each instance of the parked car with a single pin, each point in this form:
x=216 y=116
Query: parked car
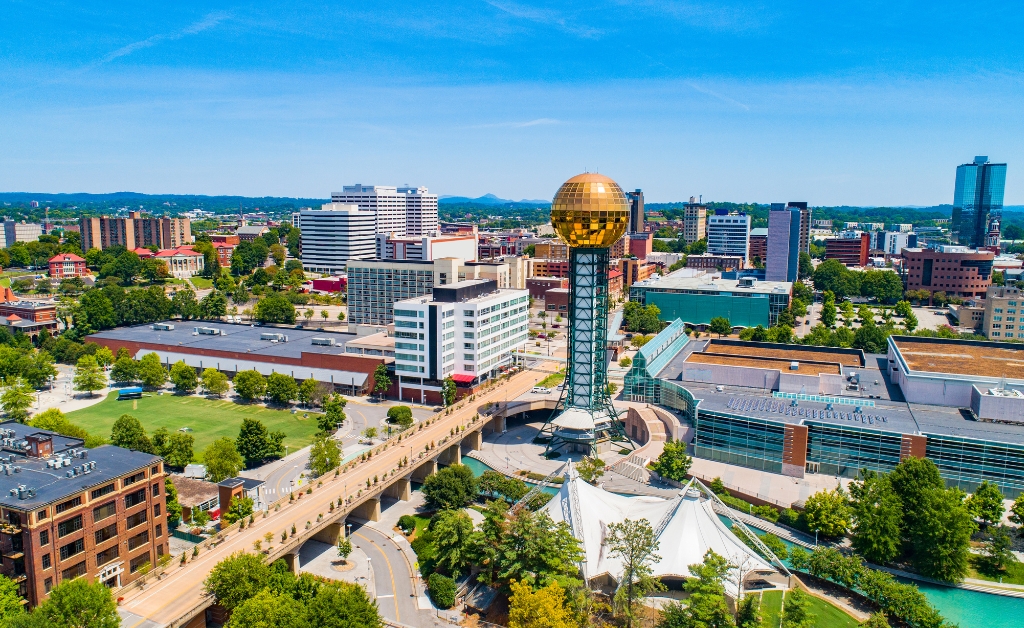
x=540 y=390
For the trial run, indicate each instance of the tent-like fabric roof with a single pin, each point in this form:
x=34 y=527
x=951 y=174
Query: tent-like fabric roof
x=686 y=527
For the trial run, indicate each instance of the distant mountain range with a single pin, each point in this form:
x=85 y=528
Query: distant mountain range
x=487 y=199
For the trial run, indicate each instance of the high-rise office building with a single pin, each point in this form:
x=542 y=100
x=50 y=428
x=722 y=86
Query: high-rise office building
x=21 y=232
x=783 y=243
x=403 y=211
x=334 y=235
x=729 y=234
x=694 y=221
x=977 y=200
x=636 y=211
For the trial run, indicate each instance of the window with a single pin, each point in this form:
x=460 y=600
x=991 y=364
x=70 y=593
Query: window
x=68 y=505
x=159 y=530
x=468 y=334
x=65 y=528
x=138 y=540
x=137 y=562
x=72 y=548
x=48 y=584
x=156 y=510
x=132 y=479
x=468 y=356
x=467 y=312
x=136 y=519
x=107 y=555
x=44 y=537
x=136 y=498
x=156 y=489
x=468 y=323
x=106 y=533
x=102 y=512
x=100 y=492
x=154 y=469
x=47 y=563
x=42 y=514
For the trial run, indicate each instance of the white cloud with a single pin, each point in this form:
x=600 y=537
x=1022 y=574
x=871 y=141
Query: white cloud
x=208 y=22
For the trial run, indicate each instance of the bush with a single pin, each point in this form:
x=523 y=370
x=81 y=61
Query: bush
x=442 y=590
x=407 y=523
x=766 y=512
x=793 y=519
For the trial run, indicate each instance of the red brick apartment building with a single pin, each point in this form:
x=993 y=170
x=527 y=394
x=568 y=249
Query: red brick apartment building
x=68 y=512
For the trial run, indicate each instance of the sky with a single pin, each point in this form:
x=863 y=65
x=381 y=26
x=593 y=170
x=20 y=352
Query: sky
x=833 y=103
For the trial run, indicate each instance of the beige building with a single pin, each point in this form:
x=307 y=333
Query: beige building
x=1004 y=307
x=553 y=249
x=135 y=231
x=694 y=221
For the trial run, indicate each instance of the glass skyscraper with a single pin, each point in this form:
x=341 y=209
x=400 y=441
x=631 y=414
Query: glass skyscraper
x=977 y=200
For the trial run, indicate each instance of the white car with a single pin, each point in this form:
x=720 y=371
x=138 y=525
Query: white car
x=540 y=390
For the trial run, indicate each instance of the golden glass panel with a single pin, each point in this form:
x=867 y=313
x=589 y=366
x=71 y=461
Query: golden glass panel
x=590 y=211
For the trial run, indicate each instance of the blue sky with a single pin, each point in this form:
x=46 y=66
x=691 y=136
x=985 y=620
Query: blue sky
x=860 y=103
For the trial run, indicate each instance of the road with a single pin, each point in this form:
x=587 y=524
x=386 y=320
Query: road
x=392 y=577
x=181 y=587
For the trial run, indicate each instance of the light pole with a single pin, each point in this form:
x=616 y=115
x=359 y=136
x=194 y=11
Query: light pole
x=373 y=582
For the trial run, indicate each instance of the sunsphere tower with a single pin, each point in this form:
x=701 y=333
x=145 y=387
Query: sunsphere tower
x=590 y=213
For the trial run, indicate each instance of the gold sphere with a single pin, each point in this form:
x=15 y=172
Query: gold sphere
x=590 y=211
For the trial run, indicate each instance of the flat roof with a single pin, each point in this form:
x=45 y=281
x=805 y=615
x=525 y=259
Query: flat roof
x=674 y=282
x=781 y=364
x=790 y=352
x=962 y=357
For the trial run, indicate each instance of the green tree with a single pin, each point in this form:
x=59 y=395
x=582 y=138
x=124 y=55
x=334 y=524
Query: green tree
x=1017 y=510
x=903 y=309
x=342 y=605
x=796 y=612
x=236 y=579
x=333 y=406
x=213 y=305
x=828 y=513
x=184 y=304
x=268 y=609
x=998 y=551
x=213 y=382
x=184 y=377
x=452 y=531
x=748 y=615
x=450 y=488
x=448 y=391
x=275 y=308
x=104 y=357
x=177 y=451
x=222 y=460
x=402 y=415
x=910 y=480
x=494 y=483
x=544 y=608
x=282 y=389
x=720 y=326
x=250 y=385
x=442 y=590
x=910 y=323
x=172 y=503
x=673 y=463
x=151 y=372
x=89 y=376
x=986 y=503
x=344 y=549
x=78 y=604
x=307 y=389
x=590 y=469
x=877 y=516
x=17 y=398
x=381 y=381
x=324 y=455
x=527 y=546
x=125 y=370
x=940 y=540
x=806 y=267
x=256 y=444
x=828 y=310
x=633 y=542
x=240 y=509
x=128 y=433
x=54 y=420
x=10 y=601
x=876 y=620
x=706 y=606
x=625 y=362
x=831 y=275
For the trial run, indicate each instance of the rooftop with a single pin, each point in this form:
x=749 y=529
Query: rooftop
x=193 y=492
x=781 y=364
x=707 y=283
x=976 y=358
x=846 y=357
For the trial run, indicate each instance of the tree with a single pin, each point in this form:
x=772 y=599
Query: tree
x=237 y=578
x=250 y=385
x=173 y=506
x=128 y=433
x=748 y=615
x=125 y=370
x=54 y=420
x=877 y=514
x=17 y=398
x=831 y=275
x=184 y=377
x=344 y=549
x=78 y=604
x=590 y=469
x=213 y=305
x=544 y=608
x=269 y=609
x=255 y=443
x=334 y=415
x=828 y=310
x=342 y=605
x=625 y=362
x=151 y=372
x=442 y=590
x=450 y=488
x=282 y=389
x=640 y=318
x=910 y=480
x=89 y=376
x=986 y=503
x=720 y=326
x=240 y=509
x=903 y=309
x=222 y=460
x=527 y=546
x=177 y=451
x=706 y=606
x=796 y=612
x=452 y=530
x=213 y=382
x=910 y=323
x=306 y=391
x=104 y=357
x=940 y=540
x=828 y=513
x=633 y=542
x=275 y=308
x=673 y=463
x=1017 y=510
x=998 y=551
x=10 y=601
x=184 y=304
x=381 y=381
x=498 y=484
x=402 y=415
x=448 y=391
x=876 y=620
x=324 y=455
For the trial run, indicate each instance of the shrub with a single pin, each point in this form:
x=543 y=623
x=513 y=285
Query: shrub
x=766 y=512
x=442 y=590
x=407 y=523
x=791 y=518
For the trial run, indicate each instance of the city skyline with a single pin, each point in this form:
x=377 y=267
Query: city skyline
x=872 y=107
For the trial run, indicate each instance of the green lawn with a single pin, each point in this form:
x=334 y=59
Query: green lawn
x=1013 y=573
x=771 y=608
x=209 y=419
x=202 y=283
x=825 y=614
x=552 y=380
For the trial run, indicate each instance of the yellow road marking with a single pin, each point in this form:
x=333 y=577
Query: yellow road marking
x=394 y=590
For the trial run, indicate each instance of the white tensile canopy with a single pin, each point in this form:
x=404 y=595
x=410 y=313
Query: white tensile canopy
x=685 y=526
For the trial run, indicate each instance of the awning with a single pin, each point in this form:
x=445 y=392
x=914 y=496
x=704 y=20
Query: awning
x=462 y=378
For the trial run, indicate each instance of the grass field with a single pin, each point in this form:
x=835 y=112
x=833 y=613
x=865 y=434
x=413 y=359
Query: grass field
x=555 y=379
x=771 y=608
x=202 y=283
x=825 y=615
x=209 y=419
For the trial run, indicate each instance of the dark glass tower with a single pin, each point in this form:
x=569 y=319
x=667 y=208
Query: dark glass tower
x=636 y=211
x=977 y=200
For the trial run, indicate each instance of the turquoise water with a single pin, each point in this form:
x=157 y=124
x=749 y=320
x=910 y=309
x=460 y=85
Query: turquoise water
x=968 y=609
x=478 y=469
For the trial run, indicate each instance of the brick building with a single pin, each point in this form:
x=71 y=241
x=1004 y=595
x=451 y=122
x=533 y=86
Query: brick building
x=955 y=270
x=28 y=317
x=67 y=265
x=556 y=300
x=551 y=249
x=537 y=286
x=547 y=268
x=67 y=512
x=634 y=270
x=134 y=231
x=851 y=251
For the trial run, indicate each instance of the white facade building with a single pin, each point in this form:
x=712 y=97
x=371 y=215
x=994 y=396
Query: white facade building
x=467 y=330
x=333 y=235
x=405 y=211
x=729 y=234
x=427 y=247
x=21 y=232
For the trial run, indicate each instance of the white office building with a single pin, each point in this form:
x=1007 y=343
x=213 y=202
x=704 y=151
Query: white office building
x=426 y=247
x=404 y=211
x=729 y=234
x=21 y=232
x=333 y=235
x=468 y=330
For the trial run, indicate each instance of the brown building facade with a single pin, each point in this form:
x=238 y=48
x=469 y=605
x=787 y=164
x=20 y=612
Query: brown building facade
x=134 y=232
x=709 y=261
x=955 y=270
x=849 y=251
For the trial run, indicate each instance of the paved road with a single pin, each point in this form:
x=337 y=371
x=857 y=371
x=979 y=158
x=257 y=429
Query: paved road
x=393 y=583
x=181 y=588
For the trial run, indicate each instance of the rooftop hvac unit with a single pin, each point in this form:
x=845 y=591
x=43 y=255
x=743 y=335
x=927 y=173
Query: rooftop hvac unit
x=67 y=462
x=323 y=342
x=163 y=327
x=206 y=331
x=69 y=474
x=274 y=337
x=794 y=366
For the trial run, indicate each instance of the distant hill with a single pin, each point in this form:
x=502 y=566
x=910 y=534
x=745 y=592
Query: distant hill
x=487 y=199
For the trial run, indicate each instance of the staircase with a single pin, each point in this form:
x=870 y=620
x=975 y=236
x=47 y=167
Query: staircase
x=634 y=467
